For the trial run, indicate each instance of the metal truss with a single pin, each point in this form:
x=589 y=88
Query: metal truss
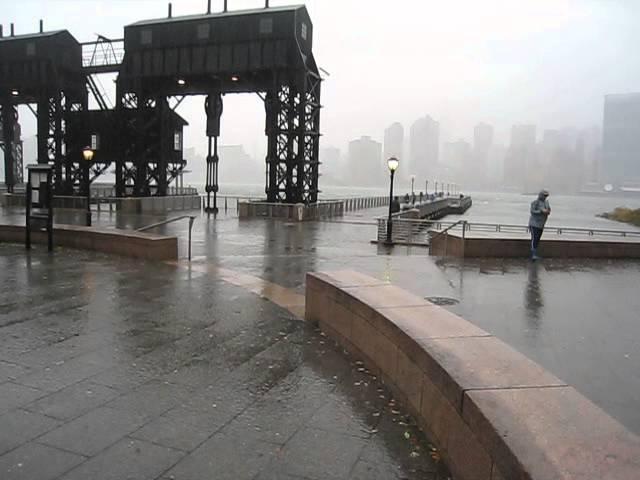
x=9 y=144
x=293 y=124
x=145 y=167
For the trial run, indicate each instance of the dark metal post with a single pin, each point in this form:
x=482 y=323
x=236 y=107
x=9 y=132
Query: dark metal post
x=41 y=26
x=88 y=186
x=225 y=6
x=413 y=179
x=50 y=216
x=215 y=174
x=170 y=10
x=209 y=175
x=28 y=215
x=191 y=219
x=389 y=224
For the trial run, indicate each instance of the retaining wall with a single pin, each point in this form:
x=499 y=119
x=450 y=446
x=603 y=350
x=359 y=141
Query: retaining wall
x=119 y=242
x=493 y=413
x=128 y=205
x=454 y=245
x=296 y=212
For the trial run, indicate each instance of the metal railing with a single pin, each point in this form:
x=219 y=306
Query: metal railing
x=361 y=203
x=103 y=55
x=228 y=203
x=419 y=232
x=171 y=220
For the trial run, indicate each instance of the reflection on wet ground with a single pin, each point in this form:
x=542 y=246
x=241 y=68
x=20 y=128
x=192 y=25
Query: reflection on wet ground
x=577 y=318
x=113 y=368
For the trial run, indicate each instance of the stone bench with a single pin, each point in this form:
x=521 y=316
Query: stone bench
x=119 y=242
x=494 y=413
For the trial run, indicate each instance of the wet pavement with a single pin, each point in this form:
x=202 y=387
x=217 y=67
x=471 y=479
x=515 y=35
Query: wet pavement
x=113 y=368
x=577 y=318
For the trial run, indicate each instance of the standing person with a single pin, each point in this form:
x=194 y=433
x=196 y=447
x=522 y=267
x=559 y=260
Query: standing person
x=540 y=211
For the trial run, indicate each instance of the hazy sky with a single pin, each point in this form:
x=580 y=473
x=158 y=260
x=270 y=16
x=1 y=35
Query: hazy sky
x=502 y=62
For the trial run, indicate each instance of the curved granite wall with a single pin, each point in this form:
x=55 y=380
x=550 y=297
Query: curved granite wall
x=494 y=413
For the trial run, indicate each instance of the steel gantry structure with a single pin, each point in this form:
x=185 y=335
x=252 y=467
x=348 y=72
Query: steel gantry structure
x=266 y=51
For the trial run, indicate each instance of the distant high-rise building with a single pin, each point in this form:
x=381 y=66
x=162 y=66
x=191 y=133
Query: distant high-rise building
x=332 y=169
x=457 y=154
x=521 y=158
x=237 y=166
x=330 y=158
x=621 y=139
x=365 y=162
x=425 y=147
x=482 y=142
x=560 y=167
x=393 y=141
x=591 y=161
x=497 y=154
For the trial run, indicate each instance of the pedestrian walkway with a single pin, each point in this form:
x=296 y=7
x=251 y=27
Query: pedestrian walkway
x=112 y=368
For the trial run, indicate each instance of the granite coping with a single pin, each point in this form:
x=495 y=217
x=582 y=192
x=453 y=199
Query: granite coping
x=552 y=434
x=107 y=240
x=496 y=413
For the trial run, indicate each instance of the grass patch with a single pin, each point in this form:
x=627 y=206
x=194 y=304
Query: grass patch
x=626 y=215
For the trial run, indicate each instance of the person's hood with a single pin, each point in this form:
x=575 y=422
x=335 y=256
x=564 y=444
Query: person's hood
x=543 y=195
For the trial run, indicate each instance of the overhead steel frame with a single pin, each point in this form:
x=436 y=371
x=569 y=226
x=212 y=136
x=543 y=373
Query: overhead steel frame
x=10 y=143
x=52 y=107
x=144 y=168
x=293 y=136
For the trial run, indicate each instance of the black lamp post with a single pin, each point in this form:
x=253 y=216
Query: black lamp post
x=87 y=154
x=393 y=164
x=413 y=181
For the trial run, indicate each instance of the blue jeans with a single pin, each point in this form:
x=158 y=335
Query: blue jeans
x=536 y=234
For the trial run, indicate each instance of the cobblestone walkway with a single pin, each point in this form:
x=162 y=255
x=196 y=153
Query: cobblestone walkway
x=117 y=369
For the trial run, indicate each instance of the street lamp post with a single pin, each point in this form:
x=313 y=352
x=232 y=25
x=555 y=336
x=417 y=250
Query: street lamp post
x=393 y=164
x=87 y=154
x=413 y=181
x=426 y=187
x=436 y=192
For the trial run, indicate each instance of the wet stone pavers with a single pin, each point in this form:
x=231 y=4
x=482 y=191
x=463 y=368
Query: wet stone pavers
x=112 y=368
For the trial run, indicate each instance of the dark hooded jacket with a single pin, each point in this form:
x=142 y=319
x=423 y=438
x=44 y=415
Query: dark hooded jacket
x=537 y=218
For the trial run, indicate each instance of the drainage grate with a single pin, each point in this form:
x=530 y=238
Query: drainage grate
x=443 y=301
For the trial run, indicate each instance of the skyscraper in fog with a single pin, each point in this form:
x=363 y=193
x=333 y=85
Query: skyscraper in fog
x=621 y=139
x=365 y=162
x=330 y=158
x=521 y=157
x=332 y=169
x=424 y=143
x=482 y=141
x=393 y=141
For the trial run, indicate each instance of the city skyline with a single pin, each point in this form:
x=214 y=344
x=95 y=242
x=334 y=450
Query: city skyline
x=481 y=74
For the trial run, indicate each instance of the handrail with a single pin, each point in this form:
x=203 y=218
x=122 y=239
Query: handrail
x=446 y=230
x=499 y=227
x=171 y=220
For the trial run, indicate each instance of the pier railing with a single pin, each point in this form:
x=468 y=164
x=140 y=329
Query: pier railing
x=230 y=203
x=419 y=232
